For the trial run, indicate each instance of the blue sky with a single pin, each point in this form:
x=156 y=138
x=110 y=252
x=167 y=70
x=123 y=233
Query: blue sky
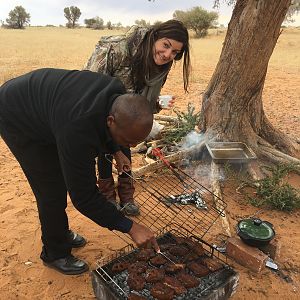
x=44 y=12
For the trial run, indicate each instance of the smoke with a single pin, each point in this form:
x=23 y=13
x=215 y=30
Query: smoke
x=202 y=172
x=191 y=139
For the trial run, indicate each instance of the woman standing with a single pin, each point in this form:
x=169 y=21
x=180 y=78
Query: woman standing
x=141 y=59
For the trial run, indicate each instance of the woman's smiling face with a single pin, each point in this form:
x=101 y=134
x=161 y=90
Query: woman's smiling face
x=165 y=50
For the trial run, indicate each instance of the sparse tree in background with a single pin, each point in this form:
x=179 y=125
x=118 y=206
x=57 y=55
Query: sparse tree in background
x=89 y=22
x=95 y=23
x=17 y=18
x=117 y=25
x=294 y=8
x=197 y=19
x=72 y=14
x=142 y=23
x=109 y=25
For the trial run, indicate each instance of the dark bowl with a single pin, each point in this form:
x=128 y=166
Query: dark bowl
x=255 y=242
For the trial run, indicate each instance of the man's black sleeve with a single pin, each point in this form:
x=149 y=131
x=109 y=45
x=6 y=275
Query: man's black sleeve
x=77 y=152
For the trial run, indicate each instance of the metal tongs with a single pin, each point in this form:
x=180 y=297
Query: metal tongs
x=157 y=152
x=166 y=257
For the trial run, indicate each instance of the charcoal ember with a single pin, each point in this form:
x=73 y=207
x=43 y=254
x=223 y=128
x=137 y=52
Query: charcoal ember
x=133 y=296
x=179 y=250
x=211 y=264
x=198 y=269
x=154 y=275
x=120 y=267
x=145 y=254
x=138 y=267
x=171 y=268
x=174 y=284
x=162 y=292
x=136 y=282
x=158 y=260
x=188 y=280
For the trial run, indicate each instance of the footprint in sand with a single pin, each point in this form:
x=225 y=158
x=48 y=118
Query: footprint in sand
x=6 y=208
x=54 y=279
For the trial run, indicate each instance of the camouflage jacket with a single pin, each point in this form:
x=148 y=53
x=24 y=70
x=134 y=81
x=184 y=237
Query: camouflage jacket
x=113 y=56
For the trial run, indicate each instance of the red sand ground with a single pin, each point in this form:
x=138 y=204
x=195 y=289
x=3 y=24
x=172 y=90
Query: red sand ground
x=23 y=276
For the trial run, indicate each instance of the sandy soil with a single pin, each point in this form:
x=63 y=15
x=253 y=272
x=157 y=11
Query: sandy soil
x=23 y=275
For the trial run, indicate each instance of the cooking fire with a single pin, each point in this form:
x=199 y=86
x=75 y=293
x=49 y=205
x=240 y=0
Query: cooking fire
x=144 y=274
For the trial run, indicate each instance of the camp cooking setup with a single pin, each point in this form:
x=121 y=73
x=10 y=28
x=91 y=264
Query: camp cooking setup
x=180 y=211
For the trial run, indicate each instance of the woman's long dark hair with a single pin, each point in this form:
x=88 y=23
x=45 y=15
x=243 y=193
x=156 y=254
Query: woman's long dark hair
x=143 y=63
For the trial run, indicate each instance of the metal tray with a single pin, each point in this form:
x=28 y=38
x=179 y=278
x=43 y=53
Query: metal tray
x=231 y=152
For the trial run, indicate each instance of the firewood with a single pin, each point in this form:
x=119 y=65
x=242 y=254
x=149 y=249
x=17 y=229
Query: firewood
x=165 y=118
x=171 y=158
x=216 y=189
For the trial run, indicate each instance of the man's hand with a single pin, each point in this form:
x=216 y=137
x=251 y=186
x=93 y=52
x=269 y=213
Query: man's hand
x=123 y=163
x=143 y=236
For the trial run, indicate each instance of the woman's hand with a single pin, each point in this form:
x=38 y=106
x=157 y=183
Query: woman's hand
x=143 y=236
x=172 y=102
x=122 y=161
x=165 y=102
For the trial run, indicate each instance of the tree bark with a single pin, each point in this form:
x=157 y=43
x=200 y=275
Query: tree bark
x=232 y=107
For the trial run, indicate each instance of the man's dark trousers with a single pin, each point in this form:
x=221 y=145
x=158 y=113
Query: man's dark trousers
x=40 y=164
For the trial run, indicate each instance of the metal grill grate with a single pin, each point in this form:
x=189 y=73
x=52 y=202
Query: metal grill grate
x=108 y=285
x=175 y=198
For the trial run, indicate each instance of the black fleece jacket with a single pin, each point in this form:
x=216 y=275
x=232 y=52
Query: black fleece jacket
x=69 y=109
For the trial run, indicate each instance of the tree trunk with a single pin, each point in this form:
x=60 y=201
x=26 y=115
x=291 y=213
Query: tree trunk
x=232 y=107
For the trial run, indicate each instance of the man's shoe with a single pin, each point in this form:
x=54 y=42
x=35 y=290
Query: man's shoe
x=116 y=204
x=130 y=209
x=69 y=265
x=76 y=240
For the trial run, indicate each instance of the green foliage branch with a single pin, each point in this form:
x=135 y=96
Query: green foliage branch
x=17 y=18
x=72 y=14
x=273 y=191
x=94 y=23
x=197 y=19
x=186 y=122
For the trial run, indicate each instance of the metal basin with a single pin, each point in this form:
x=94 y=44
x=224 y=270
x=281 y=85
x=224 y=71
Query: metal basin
x=232 y=152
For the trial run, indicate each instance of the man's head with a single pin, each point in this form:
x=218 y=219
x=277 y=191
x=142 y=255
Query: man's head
x=130 y=119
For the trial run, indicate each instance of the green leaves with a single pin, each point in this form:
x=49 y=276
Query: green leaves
x=187 y=121
x=272 y=191
x=18 y=17
x=72 y=14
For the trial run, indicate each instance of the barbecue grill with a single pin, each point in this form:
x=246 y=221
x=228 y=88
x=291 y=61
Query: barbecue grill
x=220 y=284
x=172 y=204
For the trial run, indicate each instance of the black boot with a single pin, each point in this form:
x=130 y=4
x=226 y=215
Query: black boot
x=69 y=265
x=76 y=240
x=107 y=188
x=125 y=191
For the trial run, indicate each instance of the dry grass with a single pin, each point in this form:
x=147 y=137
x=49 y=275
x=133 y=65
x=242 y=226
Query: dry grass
x=37 y=47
